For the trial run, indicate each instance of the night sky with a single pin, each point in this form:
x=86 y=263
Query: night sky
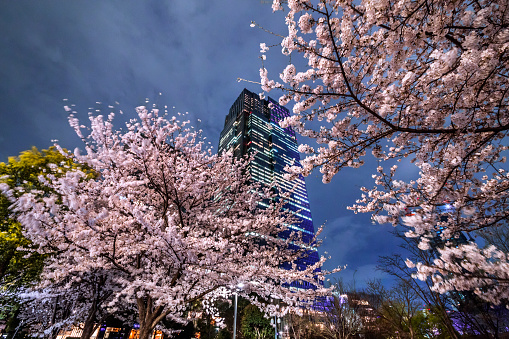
x=185 y=54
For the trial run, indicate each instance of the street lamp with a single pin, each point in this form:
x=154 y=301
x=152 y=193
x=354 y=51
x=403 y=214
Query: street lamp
x=274 y=322
x=240 y=285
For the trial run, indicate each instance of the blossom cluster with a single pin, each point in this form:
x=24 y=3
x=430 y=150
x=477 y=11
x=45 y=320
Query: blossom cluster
x=164 y=223
x=424 y=82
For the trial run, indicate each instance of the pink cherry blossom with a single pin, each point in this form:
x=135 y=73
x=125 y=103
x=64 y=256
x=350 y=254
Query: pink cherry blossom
x=425 y=82
x=171 y=223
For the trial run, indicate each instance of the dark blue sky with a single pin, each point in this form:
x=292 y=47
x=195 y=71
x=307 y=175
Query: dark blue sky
x=190 y=51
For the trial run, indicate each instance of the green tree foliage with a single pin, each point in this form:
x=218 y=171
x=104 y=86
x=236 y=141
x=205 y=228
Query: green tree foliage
x=428 y=324
x=20 y=264
x=224 y=334
x=20 y=267
x=254 y=325
x=225 y=310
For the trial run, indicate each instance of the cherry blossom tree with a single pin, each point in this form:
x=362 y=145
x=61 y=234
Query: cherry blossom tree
x=173 y=222
x=80 y=299
x=424 y=80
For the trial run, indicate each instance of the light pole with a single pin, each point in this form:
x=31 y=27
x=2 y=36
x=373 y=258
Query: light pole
x=274 y=322
x=240 y=285
x=275 y=326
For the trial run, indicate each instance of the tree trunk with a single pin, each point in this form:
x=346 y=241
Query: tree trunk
x=411 y=332
x=54 y=332
x=89 y=326
x=149 y=316
x=446 y=320
x=145 y=332
x=90 y=322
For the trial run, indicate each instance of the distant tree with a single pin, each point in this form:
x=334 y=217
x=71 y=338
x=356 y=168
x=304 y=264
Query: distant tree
x=498 y=237
x=397 y=308
x=428 y=325
x=173 y=222
x=255 y=325
x=224 y=334
x=344 y=313
x=440 y=305
x=469 y=312
x=304 y=326
x=224 y=309
x=475 y=316
x=423 y=80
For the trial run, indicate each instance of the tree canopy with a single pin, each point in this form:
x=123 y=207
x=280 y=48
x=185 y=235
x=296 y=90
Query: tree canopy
x=18 y=264
x=426 y=81
x=166 y=221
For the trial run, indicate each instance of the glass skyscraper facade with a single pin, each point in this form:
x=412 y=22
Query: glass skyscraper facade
x=251 y=126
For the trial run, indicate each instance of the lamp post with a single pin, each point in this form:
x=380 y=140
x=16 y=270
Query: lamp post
x=274 y=322
x=240 y=285
x=275 y=326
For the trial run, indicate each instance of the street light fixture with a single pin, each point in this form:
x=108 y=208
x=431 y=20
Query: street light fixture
x=275 y=322
x=239 y=286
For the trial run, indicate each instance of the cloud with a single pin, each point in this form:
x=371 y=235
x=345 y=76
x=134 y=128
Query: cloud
x=355 y=242
x=356 y=279
x=121 y=50
x=192 y=51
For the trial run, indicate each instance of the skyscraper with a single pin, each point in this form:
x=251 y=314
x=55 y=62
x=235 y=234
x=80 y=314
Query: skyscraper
x=252 y=126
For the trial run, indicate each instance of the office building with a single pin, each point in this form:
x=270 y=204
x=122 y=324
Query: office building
x=251 y=126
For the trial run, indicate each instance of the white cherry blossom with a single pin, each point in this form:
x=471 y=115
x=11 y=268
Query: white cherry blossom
x=169 y=220
x=430 y=80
